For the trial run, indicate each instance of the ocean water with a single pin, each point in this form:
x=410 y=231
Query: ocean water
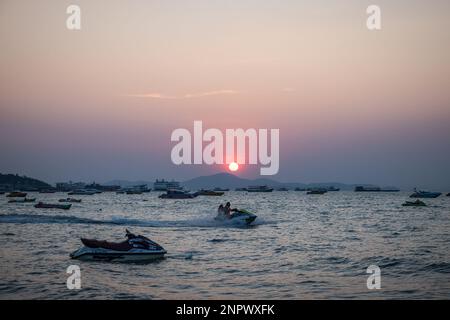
x=300 y=247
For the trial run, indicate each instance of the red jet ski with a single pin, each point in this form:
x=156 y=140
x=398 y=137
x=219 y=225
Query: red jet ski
x=136 y=248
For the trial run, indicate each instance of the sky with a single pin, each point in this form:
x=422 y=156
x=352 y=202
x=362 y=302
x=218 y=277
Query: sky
x=352 y=105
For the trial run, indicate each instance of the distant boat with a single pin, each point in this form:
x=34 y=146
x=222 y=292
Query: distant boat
x=209 y=193
x=424 y=194
x=133 y=192
x=374 y=189
x=333 y=189
x=178 y=194
x=259 y=189
x=317 y=191
x=221 y=189
x=82 y=192
x=299 y=189
x=52 y=206
x=240 y=189
x=70 y=200
x=416 y=203
x=101 y=188
x=164 y=185
x=47 y=191
x=22 y=200
x=17 y=194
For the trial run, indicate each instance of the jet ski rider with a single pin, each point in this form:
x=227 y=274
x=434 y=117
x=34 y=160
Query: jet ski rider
x=226 y=211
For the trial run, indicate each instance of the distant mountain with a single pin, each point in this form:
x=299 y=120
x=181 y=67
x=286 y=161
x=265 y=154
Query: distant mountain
x=222 y=180
x=227 y=180
x=16 y=182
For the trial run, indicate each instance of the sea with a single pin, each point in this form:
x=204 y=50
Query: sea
x=300 y=247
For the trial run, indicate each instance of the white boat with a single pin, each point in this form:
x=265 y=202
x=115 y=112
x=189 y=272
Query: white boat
x=178 y=194
x=163 y=185
x=134 y=190
x=424 y=194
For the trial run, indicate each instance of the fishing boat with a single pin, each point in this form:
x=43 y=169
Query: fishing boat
x=82 y=192
x=209 y=193
x=133 y=192
x=375 y=189
x=47 y=191
x=259 y=189
x=424 y=194
x=70 y=200
x=42 y=205
x=221 y=189
x=317 y=191
x=17 y=194
x=22 y=200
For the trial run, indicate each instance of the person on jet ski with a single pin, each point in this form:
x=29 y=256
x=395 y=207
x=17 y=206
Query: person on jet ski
x=229 y=211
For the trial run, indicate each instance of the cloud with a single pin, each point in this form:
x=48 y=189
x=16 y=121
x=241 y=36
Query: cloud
x=186 y=96
x=210 y=93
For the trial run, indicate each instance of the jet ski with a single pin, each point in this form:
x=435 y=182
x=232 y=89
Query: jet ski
x=239 y=215
x=416 y=203
x=136 y=248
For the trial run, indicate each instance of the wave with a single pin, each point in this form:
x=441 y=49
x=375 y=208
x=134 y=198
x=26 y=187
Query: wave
x=60 y=219
x=37 y=218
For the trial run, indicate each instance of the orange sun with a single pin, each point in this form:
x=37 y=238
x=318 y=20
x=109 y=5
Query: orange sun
x=233 y=166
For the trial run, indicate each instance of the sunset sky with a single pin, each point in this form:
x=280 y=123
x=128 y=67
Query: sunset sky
x=352 y=105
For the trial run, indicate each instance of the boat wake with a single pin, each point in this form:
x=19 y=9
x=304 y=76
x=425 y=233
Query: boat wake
x=207 y=222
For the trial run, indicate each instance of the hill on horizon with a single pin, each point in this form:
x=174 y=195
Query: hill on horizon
x=14 y=181
x=227 y=180
x=231 y=181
